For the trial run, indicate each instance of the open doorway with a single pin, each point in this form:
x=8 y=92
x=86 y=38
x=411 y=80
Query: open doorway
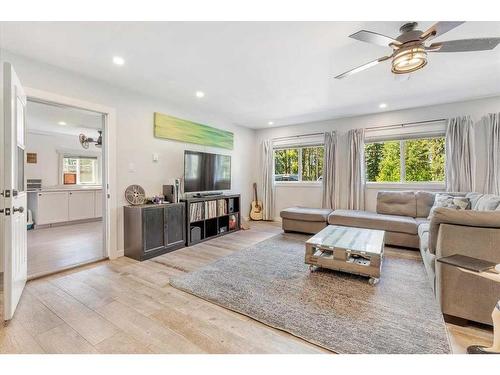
x=65 y=164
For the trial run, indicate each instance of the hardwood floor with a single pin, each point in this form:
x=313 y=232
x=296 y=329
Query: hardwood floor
x=57 y=248
x=124 y=306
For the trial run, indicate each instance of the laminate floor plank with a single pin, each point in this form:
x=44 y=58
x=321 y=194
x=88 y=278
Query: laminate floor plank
x=65 y=340
x=121 y=343
x=151 y=333
x=15 y=339
x=34 y=316
x=91 y=326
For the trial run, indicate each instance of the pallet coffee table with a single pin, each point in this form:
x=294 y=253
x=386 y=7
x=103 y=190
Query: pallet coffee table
x=354 y=250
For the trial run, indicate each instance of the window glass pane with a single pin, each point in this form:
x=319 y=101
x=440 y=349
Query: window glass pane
x=312 y=163
x=70 y=165
x=383 y=162
x=286 y=164
x=87 y=171
x=424 y=159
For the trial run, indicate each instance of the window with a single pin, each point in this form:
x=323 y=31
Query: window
x=80 y=170
x=298 y=163
x=411 y=160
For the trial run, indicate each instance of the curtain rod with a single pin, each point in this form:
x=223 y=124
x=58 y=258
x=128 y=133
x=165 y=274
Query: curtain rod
x=405 y=124
x=297 y=136
x=369 y=128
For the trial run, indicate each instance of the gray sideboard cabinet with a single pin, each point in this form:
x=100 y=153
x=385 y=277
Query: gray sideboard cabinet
x=151 y=230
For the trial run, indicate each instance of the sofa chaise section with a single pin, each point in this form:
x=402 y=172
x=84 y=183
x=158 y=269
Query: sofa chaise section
x=304 y=220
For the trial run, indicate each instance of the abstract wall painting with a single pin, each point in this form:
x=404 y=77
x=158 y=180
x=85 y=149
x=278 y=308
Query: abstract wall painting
x=169 y=127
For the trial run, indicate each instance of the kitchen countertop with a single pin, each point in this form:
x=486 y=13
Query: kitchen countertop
x=64 y=188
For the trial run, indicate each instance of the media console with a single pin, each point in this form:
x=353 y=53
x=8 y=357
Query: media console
x=208 y=217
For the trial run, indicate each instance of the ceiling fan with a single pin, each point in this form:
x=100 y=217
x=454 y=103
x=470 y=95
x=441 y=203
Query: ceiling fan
x=85 y=141
x=409 y=52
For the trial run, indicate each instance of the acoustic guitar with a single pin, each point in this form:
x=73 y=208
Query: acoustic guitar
x=256 y=209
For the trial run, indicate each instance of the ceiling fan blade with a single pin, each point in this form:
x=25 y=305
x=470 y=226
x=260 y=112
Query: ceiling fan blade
x=374 y=38
x=439 y=29
x=465 y=45
x=362 y=67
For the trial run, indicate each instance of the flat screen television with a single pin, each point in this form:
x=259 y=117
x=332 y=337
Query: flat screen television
x=206 y=172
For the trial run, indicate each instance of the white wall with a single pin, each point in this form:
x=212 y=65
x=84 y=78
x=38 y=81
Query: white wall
x=287 y=196
x=47 y=147
x=135 y=142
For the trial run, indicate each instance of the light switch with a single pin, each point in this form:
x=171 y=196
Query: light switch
x=131 y=167
x=155 y=157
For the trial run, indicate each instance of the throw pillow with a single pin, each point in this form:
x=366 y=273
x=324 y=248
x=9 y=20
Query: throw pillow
x=449 y=201
x=483 y=202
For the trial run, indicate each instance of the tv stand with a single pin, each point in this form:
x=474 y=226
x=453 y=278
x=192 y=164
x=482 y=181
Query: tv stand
x=211 y=216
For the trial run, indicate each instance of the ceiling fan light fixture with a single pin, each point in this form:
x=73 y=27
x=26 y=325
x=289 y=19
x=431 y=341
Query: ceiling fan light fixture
x=409 y=59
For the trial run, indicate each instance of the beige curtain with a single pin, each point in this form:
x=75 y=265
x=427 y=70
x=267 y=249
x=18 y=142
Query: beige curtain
x=355 y=165
x=267 y=183
x=492 y=123
x=330 y=171
x=460 y=161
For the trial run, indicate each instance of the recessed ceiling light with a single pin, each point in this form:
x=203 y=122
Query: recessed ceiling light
x=200 y=94
x=382 y=105
x=117 y=60
x=270 y=123
x=61 y=123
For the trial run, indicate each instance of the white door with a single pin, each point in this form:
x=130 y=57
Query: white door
x=13 y=191
x=98 y=203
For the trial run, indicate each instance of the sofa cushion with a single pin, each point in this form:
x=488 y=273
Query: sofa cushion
x=483 y=202
x=306 y=214
x=401 y=203
x=423 y=229
x=429 y=260
x=301 y=226
x=372 y=220
x=425 y=201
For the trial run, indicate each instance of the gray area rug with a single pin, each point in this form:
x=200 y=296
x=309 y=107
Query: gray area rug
x=269 y=282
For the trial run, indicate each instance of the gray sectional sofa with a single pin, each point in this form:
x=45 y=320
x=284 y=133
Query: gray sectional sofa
x=404 y=216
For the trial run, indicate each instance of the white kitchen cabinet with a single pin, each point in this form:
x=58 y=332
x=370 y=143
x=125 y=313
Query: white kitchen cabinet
x=98 y=203
x=61 y=206
x=52 y=207
x=81 y=205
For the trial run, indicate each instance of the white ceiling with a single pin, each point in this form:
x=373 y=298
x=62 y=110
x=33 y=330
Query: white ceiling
x=45 y=118
x=255 y=72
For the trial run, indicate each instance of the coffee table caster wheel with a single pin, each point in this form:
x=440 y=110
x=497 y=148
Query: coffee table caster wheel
x=373 y=281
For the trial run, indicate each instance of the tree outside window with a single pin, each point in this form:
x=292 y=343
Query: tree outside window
x=412 y=160
x=298 y=163
x=312 y=163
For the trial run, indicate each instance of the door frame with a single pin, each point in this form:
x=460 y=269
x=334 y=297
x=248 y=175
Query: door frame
x=109 y=181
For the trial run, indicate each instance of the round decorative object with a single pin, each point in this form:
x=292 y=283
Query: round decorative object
x=135 y=195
